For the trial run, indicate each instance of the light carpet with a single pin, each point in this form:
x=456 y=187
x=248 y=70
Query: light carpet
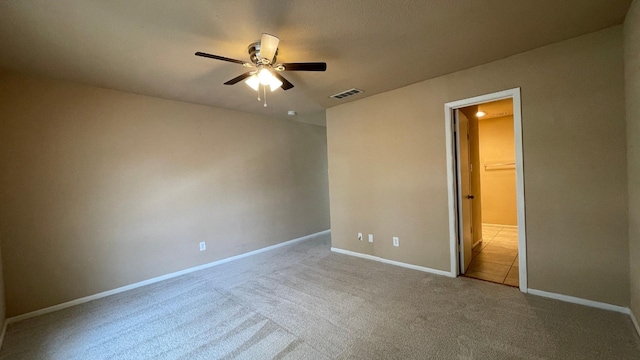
x=304 y=302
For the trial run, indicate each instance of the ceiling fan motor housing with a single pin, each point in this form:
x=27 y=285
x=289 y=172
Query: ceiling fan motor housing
x=254 y=55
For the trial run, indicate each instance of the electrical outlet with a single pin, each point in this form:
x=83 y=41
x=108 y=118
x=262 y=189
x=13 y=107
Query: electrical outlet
x=203 y=246
x=396 y=241
x=360 y=236
x=370 y=237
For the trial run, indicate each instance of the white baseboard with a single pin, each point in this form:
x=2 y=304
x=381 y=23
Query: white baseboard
x=392 y=262
x=580 y=301
x=590 y=303
x=155 y=280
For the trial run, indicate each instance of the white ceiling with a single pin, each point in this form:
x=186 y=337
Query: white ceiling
x=147 y=46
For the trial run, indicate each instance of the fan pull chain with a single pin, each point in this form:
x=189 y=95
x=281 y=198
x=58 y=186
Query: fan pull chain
x=264 y=91
x=259 y=93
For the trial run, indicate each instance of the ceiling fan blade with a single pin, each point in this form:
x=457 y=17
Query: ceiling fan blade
x=216 y=57
x=268 y=46
x=286 y=85
x=237 y=79
x=312 y=66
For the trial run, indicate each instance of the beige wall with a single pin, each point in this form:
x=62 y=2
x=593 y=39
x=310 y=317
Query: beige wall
x=498 y=183
x=632 y=93
x=101 y=189
x=387 y=166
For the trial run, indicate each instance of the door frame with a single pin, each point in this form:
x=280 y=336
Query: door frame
x=452 y=190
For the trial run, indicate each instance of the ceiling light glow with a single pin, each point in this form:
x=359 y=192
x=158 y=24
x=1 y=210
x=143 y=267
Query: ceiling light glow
x=253 y=82
x=481 y=114
x=265 y=76
x=275 y=83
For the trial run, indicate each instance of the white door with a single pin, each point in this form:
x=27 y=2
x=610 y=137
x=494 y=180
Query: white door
x=465 y=197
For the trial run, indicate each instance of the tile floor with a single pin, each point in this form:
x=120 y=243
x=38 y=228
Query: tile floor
x=496 y=258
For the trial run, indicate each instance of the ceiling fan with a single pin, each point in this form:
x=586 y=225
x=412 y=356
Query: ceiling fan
x=263 y=55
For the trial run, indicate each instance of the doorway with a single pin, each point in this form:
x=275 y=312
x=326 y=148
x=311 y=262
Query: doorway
x=486 y=188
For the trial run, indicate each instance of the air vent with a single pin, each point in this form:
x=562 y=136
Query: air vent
x=344 y=94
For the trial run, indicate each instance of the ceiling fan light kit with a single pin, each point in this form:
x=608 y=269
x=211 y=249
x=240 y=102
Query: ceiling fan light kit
x=263 y=55
x=263 y=77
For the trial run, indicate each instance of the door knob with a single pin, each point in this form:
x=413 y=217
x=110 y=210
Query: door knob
x=470 y=197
